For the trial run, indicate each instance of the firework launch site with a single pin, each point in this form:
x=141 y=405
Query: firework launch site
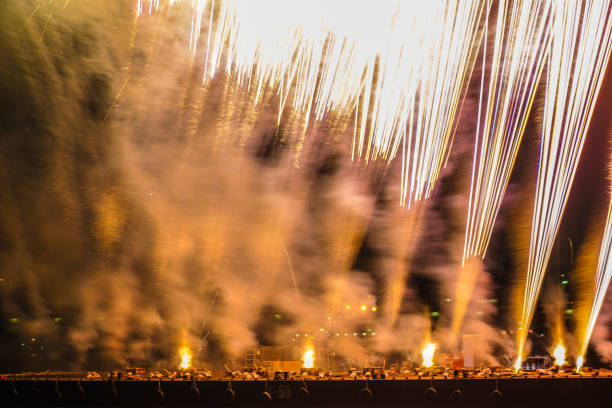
x=192 y=388
x=266 y=382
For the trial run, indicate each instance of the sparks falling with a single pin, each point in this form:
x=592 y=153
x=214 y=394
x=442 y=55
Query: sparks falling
x=521 y=35
x=397 y=70
x=580 y=49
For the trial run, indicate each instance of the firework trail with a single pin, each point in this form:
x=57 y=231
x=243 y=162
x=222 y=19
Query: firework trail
x=521 y=38
x=521 y=35
x=430 y=121
x=396 y=70
x=580 y=49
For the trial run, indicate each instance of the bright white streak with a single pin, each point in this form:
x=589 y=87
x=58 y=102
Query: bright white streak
x=394 y=65
x=434 y=105
x=581 y=44
x=522 y=34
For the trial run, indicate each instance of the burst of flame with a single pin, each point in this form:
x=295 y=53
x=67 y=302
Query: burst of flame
x=517 y=365
x=428 y=354
x=186 y=355
x=559 y=354
x=579 y=363
x=308 y=358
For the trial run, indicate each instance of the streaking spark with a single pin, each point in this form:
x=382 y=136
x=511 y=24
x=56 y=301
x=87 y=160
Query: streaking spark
x=521 y=40
x=580 y=49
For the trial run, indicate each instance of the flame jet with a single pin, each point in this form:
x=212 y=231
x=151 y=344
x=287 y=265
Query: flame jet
x=428 y=354
x=580 y=49
x=308 y=359
x=559 y=354
x=186 y=356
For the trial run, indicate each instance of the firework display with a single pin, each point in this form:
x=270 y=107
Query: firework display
x=296 y=191
x=575 y=71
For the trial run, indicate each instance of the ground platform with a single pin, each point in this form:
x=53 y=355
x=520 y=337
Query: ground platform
x=510 y=391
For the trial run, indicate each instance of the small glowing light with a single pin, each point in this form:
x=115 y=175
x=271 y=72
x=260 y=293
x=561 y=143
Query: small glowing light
x=569 y=311
x=435 y=314
x=428 y=354
x=373 y=308
x=321 y=329
x=559 y=354
x=308 y=358
x=354 y=334
x=363 y=307
x=185 y=353
x=348 y=307
x=564 y=282
x=579 y=363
